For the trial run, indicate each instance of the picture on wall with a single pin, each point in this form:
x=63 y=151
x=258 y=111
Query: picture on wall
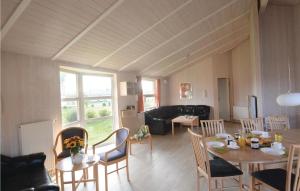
x=185 y=91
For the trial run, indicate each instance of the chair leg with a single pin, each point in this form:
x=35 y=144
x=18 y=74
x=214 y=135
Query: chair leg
x=216 y=183
x=130 y=149
x=56 y=176
x=241 y=182
x=127 y=170
x=209 y=185
x=105 y=171
x=198 y=181
x=84 y=175
x=151 y=144
x=117 y=167
x=252 y=184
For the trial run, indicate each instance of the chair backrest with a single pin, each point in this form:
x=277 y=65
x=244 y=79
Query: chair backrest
x=71 y=132
x=249 y=125
x=200 y=152
x=121 y=139
x=212 y=127
x=279 y=122
x=132 y=123
x=294 y=153
x=129 y=113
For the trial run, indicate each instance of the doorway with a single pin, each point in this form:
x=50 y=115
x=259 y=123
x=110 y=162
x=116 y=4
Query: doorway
x=224 y=98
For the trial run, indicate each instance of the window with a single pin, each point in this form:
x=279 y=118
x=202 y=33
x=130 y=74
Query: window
x=86 y=100
x=149 y=94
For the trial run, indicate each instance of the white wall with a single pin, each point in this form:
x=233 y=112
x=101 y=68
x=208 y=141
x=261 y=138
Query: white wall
x=30 y=93
x=277 y=45
x=200 y=75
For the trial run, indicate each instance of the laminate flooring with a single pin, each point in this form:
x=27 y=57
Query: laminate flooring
x=170 y=166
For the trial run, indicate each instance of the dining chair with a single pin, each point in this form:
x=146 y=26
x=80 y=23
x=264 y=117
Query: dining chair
x=59 y=149
x=115 y=155
x=249 y=124
x=212 y=127
x=213 y=170
x=281 y=179
x=129 y=119
x=279 y=122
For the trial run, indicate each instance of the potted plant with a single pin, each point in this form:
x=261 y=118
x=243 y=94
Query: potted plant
x=75 y=144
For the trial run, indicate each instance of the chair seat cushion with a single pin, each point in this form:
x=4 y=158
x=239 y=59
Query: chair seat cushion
x=64 y=154
x=112 y=156
x=275 y=178
x=222 y=168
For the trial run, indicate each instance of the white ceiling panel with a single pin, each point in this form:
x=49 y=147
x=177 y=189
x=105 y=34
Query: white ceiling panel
x=150 y=37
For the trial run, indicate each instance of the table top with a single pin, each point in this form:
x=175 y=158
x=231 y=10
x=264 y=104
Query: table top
x=66 y=164
x=246 y=154
x=184 y=118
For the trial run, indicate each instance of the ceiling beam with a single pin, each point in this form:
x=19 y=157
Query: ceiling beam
x=180 y=33
x=14 y=17
x=232 y=44
x=195 y=41
x=144 y=32
x=206 y=46
x=88 y=28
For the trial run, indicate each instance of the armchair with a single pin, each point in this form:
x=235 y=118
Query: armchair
x=115 y=155
x=65 y=134
x=130 y=120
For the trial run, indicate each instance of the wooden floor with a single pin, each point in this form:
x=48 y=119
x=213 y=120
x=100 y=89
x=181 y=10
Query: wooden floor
x=170 y=167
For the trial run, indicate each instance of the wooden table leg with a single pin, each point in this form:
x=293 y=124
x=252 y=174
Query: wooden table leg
x=73 y=181
x=192 y=125
x=62 y=180
x=172 y=128
x=96 y=177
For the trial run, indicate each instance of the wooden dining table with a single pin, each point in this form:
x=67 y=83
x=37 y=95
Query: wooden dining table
x=245 y=155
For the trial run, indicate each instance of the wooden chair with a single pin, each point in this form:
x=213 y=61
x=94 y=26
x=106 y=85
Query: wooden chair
x=117 y=154
x=281 y=179
x=249 y=125
x=65 y=134
x=213 y=170
x=212 y=127
x=130 y=120
x=279 y=122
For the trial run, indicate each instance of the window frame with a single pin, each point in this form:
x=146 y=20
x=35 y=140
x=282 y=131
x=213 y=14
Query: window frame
x=81 y=98
x=149 y=95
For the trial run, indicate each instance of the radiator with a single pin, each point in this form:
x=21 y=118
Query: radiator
x=240 y=112
x=38 y=137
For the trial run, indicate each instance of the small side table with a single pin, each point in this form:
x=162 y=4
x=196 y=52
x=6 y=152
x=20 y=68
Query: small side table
x=66 y=165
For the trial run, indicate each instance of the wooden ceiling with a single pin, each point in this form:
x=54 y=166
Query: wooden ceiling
x=150 y=37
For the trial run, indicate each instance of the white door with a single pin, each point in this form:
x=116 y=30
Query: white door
x=223 y=97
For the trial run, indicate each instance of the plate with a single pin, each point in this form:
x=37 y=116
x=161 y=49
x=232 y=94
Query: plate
x=215 y=144
x=233 y=147
x=271 y=151
x=256 y=132
x=223 y=135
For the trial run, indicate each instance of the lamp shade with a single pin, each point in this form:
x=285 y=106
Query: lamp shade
x=289 y=99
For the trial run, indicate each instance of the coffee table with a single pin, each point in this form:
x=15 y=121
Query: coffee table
x=66 y=165
x=185 y=120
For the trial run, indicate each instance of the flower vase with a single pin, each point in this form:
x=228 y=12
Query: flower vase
x=77 y=158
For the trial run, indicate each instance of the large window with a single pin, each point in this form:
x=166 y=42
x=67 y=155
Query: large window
x=149 y=94
x=86 y=100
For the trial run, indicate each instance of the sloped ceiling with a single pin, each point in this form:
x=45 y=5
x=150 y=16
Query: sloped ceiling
x=150 y=37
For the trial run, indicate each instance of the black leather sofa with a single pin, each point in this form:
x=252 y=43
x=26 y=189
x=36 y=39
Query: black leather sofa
x=160 y=120
x=25 y=173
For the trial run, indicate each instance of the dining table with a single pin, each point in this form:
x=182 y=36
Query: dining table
x=245 y=155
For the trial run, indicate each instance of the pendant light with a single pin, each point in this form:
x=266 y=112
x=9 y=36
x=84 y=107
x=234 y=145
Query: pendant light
x=289 y=99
